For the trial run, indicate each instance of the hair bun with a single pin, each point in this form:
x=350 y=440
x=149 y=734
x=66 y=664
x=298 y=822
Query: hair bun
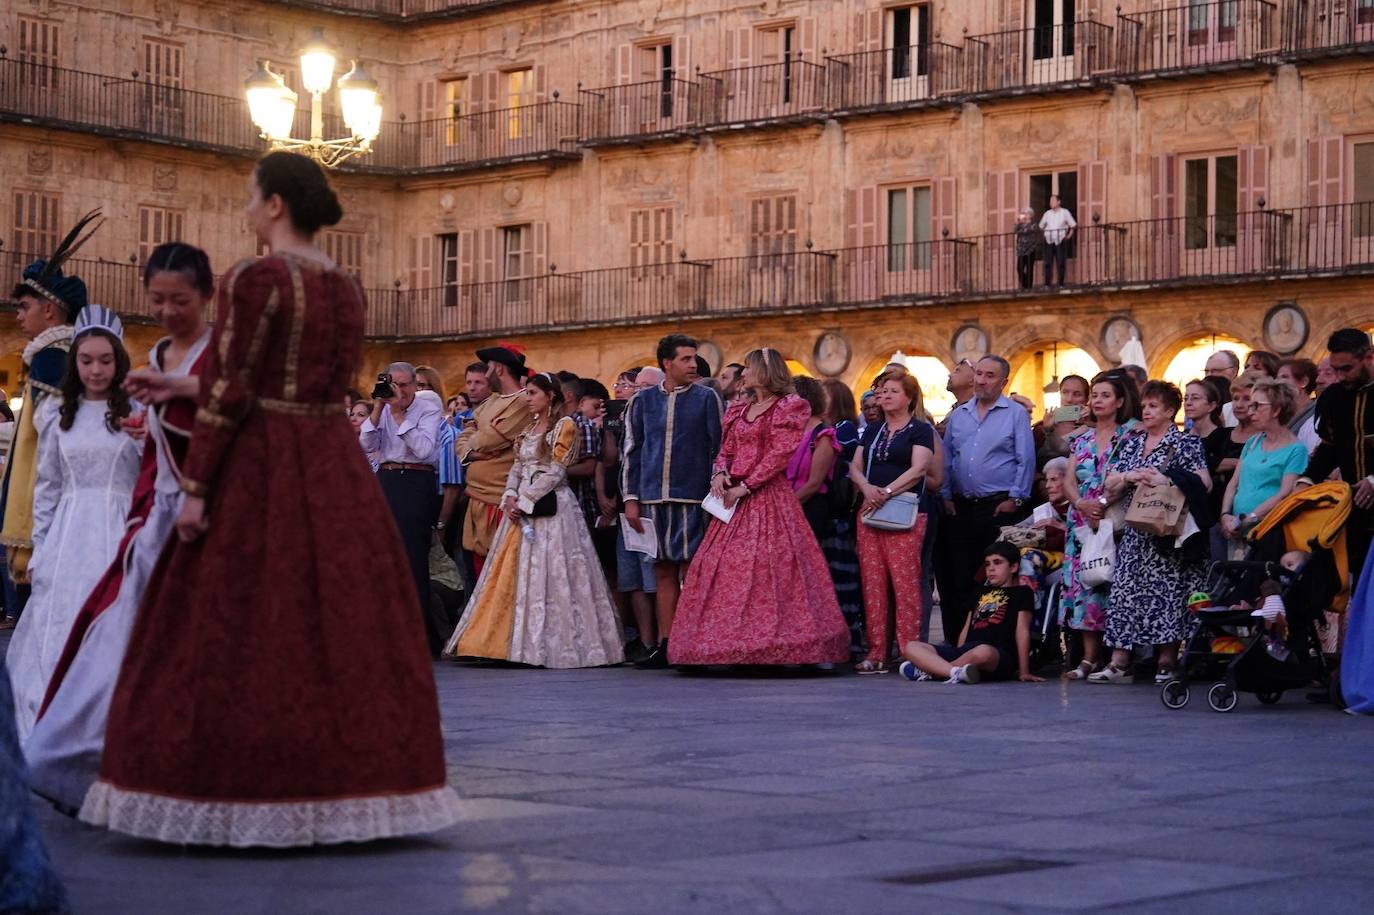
x=303 y=187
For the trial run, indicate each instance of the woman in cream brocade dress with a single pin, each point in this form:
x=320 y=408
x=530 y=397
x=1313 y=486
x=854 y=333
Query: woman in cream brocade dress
x=542 y=601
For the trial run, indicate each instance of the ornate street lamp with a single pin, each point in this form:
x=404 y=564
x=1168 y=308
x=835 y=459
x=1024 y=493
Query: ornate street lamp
x=272 y=105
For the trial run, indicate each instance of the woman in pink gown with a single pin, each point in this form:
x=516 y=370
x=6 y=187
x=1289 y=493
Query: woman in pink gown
x=759 y=590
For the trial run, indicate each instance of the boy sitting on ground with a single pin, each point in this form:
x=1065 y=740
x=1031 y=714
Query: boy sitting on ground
x=995 y=643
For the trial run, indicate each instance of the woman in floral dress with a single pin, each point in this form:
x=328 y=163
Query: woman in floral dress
x=1114 y=408
x=1151 y=579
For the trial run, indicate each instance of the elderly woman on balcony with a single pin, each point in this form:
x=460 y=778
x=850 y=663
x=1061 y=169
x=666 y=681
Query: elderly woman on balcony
x=1028 y=239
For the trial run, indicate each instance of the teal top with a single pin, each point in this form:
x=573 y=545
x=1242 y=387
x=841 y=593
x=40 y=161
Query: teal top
x=1262 y=472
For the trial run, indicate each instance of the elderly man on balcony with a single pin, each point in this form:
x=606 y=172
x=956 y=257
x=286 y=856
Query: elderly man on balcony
x=1058 y=225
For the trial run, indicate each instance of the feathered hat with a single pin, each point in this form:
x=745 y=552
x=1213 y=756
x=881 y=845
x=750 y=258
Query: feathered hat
x=98 y=317
x=45 y=278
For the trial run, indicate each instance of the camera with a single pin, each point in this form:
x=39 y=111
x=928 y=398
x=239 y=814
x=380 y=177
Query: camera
x=383 y=389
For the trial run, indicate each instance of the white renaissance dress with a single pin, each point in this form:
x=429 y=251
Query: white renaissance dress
x=63 y=750
x=542 y=600
x=86 y=477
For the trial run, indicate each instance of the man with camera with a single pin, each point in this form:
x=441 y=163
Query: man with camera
x=487 y=446
x=404 y=431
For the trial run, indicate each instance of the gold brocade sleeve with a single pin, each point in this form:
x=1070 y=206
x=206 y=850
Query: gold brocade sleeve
x=248 y=303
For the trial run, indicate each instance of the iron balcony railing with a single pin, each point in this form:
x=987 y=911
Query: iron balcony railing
x=1323 y=27
x=1198 y=36
x=541 y=130
x=1028 y=60
x=893 y=77
x=640 y=110
x=1181 y=250
x=129 y=107
x=777 y=92
x=400 y=11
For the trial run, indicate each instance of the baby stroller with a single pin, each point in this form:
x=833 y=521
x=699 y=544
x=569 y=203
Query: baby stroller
x=1226 y=645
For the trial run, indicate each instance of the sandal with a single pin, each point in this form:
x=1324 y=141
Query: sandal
x=1111 y=674
x=1080 y=672
x=870 y=667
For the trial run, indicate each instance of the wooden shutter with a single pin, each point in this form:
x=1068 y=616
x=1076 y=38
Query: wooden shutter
x=540 y=231
x=426 y=100
x=345 y=249
x=1252 y=177
x=1325 y=171
x=739 y=48
x=39 y=41
x=624 y=65
x=488 y=255
x=1252 y=228
x=35 y=223
x=859 y=264
x=1325 y=191
x=541 y=84
x=1001 y=201
x=158 y=226
x=467 y=257
x=422 y=261
x=682 y=57
x=760 y=223
x=1092 y=202
x=868 y=30
x=806 y=39
x=944 y=216
x=1164 y=186
x=1164 y=210
x=162 y=63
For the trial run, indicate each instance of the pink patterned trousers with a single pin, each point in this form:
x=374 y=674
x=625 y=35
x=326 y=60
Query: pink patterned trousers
x=891 y=559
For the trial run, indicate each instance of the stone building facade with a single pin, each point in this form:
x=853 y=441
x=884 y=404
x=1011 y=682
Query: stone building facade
x=838 y=179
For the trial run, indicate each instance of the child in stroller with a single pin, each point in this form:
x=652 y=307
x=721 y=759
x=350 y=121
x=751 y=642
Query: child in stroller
x=1297 y=553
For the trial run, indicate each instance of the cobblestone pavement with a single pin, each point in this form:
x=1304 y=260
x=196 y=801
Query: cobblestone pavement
x=622 y=791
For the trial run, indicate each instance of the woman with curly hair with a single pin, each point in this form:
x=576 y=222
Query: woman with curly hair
x=87 y=467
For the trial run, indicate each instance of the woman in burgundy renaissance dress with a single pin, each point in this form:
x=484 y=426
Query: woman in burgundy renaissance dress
x=277 y=688
x=759 y=589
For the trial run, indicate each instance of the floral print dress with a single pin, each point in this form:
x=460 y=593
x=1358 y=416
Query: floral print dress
x=1151 y=580
x=1081 y=607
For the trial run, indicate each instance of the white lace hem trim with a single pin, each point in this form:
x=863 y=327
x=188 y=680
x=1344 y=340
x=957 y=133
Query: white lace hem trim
x=283 y=824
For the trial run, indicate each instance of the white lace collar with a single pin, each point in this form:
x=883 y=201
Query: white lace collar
x=62 y=333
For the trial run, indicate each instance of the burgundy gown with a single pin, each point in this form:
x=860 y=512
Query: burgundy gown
x=758 y=590
x=277 y=688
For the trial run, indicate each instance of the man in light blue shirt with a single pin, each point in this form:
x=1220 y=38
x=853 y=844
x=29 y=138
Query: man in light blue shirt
x=989 y=469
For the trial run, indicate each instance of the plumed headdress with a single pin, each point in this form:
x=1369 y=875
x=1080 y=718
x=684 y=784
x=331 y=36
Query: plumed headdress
x=98 y=317
x=45 y=277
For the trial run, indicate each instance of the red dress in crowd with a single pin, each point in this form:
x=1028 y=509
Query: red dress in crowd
x=277 y=688
x=758 y=590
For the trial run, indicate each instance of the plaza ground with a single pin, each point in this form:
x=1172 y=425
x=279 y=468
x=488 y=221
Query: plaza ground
x=623 y=791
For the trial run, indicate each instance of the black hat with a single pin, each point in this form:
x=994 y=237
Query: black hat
x=45 y=278
x=509 y=355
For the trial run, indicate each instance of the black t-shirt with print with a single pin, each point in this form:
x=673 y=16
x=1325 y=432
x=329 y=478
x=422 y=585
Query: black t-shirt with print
x=994 y=615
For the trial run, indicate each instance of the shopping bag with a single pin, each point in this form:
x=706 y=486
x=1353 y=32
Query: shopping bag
x=1157 y=510
x=1098 y=557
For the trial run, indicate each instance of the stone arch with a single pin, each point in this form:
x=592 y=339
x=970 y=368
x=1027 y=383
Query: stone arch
x=1163 y=357
x=1160 y=354
x=1029 y=379
x=1318 y=334
x=1024 y=339
x=931 y=372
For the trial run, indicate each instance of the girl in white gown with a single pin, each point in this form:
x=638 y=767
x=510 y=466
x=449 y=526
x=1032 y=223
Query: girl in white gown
x=87 y=467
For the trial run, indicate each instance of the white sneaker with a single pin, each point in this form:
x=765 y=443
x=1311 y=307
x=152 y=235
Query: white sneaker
x=965 y=674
